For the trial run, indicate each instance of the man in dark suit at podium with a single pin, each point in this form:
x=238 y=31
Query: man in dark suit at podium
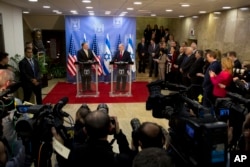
x=85 y=57
x=121 y=56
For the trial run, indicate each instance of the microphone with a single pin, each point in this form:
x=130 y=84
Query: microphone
x=10 y=89
x=59 y=105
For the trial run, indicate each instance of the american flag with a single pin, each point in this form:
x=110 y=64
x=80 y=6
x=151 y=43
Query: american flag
x=96 y=55
x=71 y=58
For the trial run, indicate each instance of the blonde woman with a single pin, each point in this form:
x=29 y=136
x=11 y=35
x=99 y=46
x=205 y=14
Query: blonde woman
x=161 y=64
x=223 y=79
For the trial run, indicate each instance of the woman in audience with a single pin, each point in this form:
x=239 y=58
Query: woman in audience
x=223 y=79
x=161 y=64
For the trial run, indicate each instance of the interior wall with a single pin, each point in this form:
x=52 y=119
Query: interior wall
x=12 y=29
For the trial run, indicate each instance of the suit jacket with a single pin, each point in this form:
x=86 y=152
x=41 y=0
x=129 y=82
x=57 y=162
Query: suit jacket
x=187 y=64
x=142 y=49
x=82 y=57
x=125 y=57
x=162 y=61
x=153 y=50
x=26 y=71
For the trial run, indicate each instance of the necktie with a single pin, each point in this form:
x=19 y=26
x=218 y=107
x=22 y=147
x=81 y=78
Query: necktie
x=86 y=52
x=120 y=55
x=32 y=65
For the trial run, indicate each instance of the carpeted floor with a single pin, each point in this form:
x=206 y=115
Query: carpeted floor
x=62 y=89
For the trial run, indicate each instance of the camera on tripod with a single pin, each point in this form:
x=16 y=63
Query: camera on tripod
x=197 y=139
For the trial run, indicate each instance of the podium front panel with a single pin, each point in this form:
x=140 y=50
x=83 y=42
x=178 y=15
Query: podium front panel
x=120 y=80
x=87 y=80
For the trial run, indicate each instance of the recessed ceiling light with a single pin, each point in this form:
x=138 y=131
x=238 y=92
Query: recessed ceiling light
x=181 y=16
x=130 y=8
x=185 y=5
x=26 y=12
x=244 y=9
x=153 y=15
x=86 y=1
x=74 y=12
x=226 y=7
x=195 y=17
x=202 y=12
x=107 y=12
x=60 y=12
x=169 y=10
x=137 y=3
x=217 y=12
x=55 y=11
x=46 y=7
x=89 y=7
x=91 y=14
x=33 y=0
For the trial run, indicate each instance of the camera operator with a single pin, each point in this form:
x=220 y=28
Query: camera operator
x=12 y=151
x=79 y=135
x=147 y=135
x=96 y=150
x=152 y=157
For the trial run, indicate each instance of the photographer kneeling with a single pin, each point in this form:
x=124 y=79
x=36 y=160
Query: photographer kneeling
x=12 y=151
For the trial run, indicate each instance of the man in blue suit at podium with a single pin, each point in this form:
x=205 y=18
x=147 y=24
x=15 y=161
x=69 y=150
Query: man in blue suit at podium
x=122 y=58
x=85 y=56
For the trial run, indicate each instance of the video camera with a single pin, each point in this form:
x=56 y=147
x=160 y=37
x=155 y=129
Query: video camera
x=35 y=131
x=197 y=139
x=233 y=109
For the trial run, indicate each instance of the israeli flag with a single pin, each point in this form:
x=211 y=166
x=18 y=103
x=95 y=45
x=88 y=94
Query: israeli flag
x=131 y=51
x=107 y=57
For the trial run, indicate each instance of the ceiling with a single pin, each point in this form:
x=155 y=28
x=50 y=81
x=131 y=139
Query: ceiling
x=116 y=7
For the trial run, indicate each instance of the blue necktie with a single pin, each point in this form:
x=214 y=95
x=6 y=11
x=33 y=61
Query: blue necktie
x=32 y=66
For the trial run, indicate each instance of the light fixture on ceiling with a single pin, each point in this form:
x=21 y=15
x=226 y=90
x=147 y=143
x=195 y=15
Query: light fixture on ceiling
x=55 y=11
x=91 y=14
x=46 y=6
x=33 y=0
x=244 y=9
x=137 y=3
x=169 y=10
x=89 y=7
x=202 y=12
x=86 y=1
x=195 y=17
x=185 y=5
x=123 y=13
x=107 y=12
x=130 y=8
x=153 y=15
x=26 y=12
x=226 y=7
x=217 y=12
x=74 y=12
x=181 y=16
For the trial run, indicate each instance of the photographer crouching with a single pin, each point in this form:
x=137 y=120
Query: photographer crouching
x=12 y=151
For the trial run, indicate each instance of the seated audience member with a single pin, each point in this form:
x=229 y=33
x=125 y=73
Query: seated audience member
x=223 y=79
x=12 y=151
x=152 y=157
x=97 y=151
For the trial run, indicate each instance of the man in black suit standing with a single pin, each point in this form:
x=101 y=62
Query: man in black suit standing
x=85 y=57
x=142 y=51
x=153 y=51
x=30 y=76
x=121 y=56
